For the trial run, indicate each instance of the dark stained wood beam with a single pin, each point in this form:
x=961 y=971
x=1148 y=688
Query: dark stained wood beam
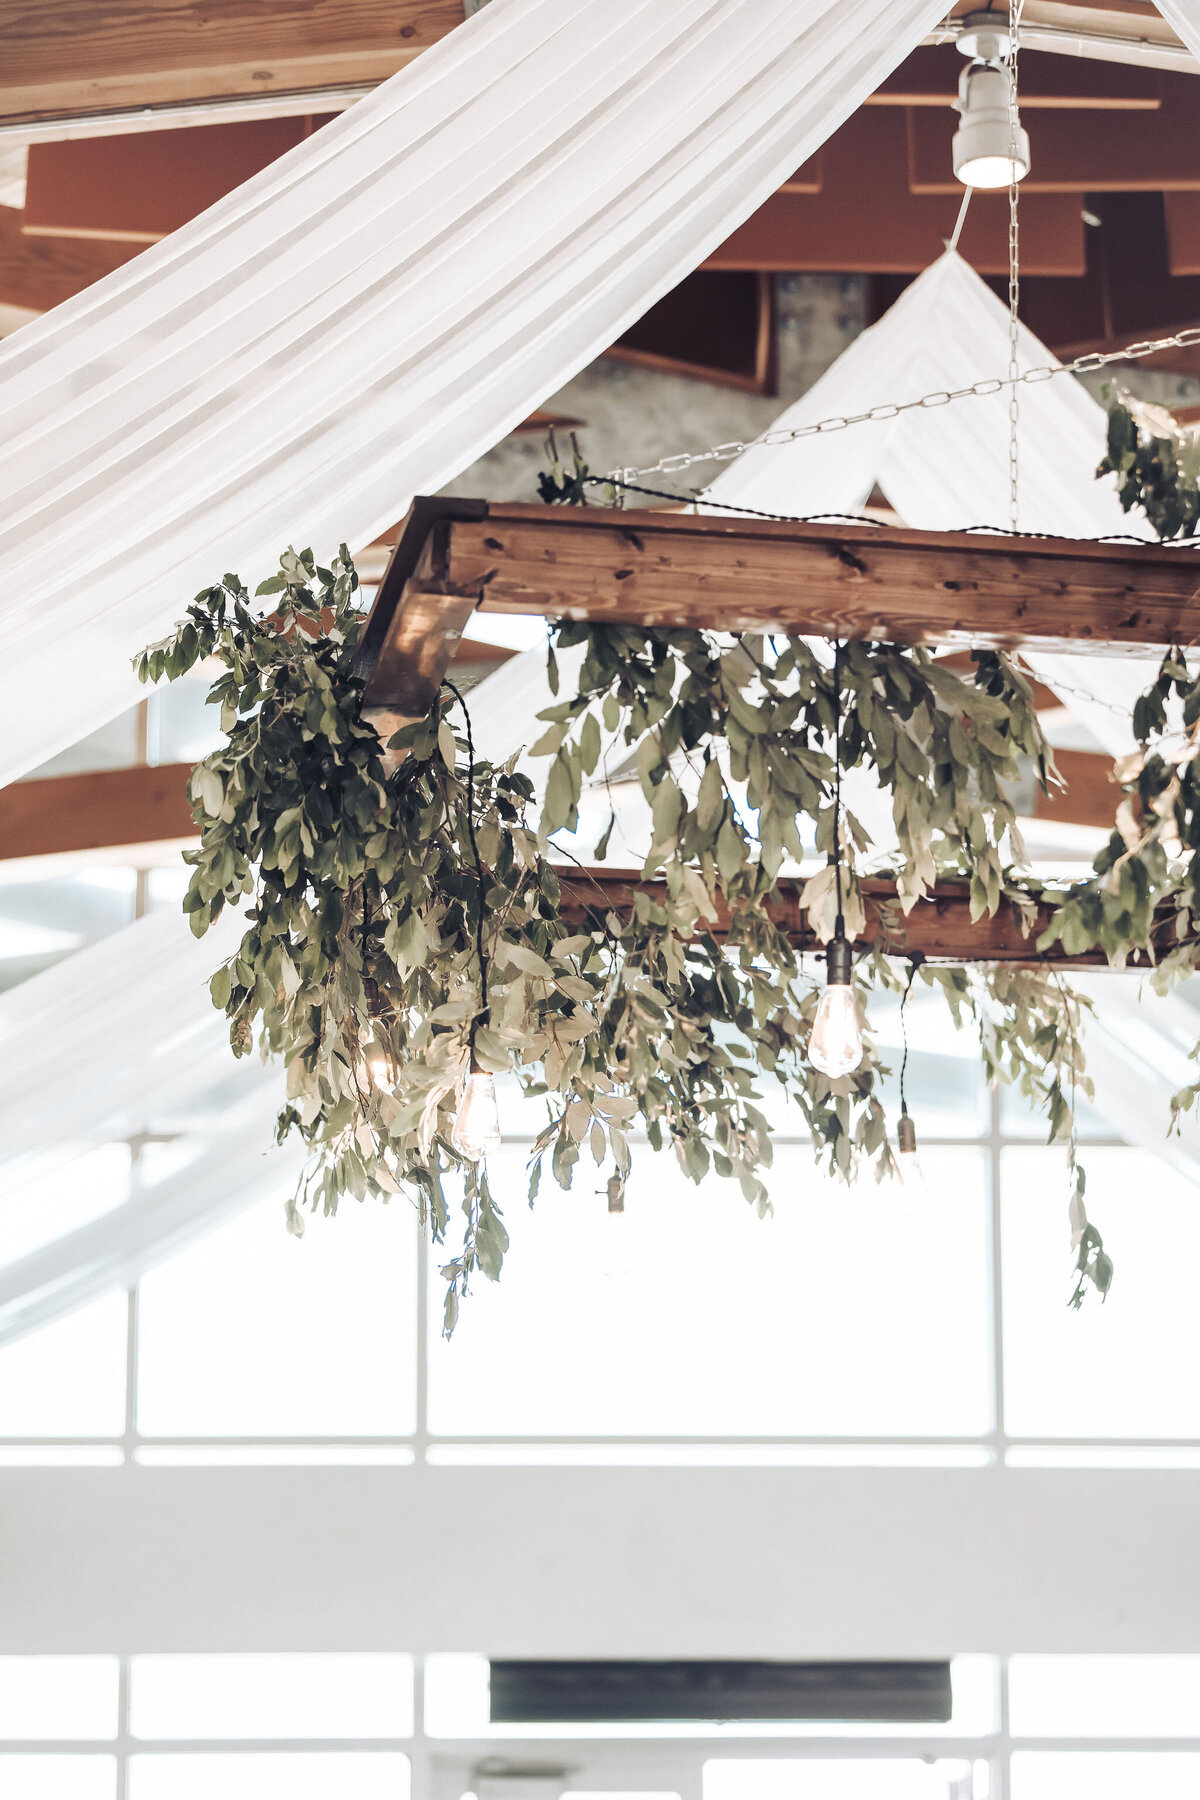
x=82 y=56
x=720 y=572
x=42 y=272
x=63 y=813
x=939 y=928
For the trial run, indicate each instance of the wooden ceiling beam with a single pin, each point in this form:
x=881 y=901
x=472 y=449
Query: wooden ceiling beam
x=92 y=56
x=929 y=78
x=668 y=570
x=939 y=928
x=61 y=814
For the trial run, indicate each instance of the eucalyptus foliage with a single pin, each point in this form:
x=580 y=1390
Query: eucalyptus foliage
x=403 y=911
x=1158 y=471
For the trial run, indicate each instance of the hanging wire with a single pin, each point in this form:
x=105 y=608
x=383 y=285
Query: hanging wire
x=913 y=966
x=478 y=860
x=951 y=242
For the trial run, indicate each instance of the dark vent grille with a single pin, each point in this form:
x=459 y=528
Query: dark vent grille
x=561 y=1692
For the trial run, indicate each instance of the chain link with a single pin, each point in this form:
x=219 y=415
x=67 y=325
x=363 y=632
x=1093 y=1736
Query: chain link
x=1081 y=365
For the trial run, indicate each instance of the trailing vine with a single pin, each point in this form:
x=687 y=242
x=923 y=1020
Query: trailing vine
x=404 y=922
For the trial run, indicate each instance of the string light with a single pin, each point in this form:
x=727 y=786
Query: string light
x=911 y=1173
x=835 y=1045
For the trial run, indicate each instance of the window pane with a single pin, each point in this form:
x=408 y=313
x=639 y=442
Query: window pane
x=827 y=1780
x=290 y=1696
x=379 y=1775
x=58 y=1697
x=1105 y=1696
x=251 y=1333
x=40 y=1210
x=1122 y=1369
x=58 y=1777
x=1105 y=1775
x=43 y=921
x=851 y=1311
x=68 y=1380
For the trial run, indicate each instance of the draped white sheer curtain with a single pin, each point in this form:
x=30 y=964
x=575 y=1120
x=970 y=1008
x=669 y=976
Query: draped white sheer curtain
x=364 y=318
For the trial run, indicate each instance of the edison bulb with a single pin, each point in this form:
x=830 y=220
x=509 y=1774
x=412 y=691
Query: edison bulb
x=477 y=1120
x=912 y=1175
x=836 y=1046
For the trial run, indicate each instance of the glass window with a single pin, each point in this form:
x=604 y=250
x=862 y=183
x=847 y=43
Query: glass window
x=113 y=746
x=333 y=1775
x=43 y=921
x=823 y=1779
x=851 y=1311
x=183 y=727
x=58 y=1697
x=41 y=1210
x=1123 y=1369
x=251 y=1333
x=288 y=1696
x=1104 y=1696
x=1105 y=1775
x=58 y=1777
x=68 y=1380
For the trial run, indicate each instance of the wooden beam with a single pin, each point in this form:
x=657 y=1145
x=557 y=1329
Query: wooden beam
x=939 y=928
x=42 y=272
x=866 y=219
x=92 y=55
x=1078 y=152
x=63 y=813
x=723 y=573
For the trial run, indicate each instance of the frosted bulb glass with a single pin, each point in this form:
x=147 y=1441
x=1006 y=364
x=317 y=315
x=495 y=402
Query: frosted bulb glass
x=912 y=1175
x=477 y=1121
x=836 y=1045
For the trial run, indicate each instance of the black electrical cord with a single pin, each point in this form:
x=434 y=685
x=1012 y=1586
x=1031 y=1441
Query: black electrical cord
x=478 y=860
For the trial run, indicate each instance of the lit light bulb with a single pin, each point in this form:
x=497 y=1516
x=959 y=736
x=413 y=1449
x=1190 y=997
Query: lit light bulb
x=912 y=1176
x=990 y=148
x=477 y=1120
x=835 y=1045
x=378 y=1066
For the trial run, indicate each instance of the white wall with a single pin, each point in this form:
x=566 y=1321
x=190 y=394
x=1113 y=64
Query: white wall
x=601 y=1562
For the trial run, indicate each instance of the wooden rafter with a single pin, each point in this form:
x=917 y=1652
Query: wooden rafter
x=674 y=569
x=939 y=928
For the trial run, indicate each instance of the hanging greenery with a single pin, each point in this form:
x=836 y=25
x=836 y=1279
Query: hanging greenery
x=1158 y=466
x=404 y=940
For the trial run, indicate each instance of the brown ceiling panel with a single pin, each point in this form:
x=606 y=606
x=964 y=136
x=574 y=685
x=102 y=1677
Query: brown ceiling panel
x=1183 y=232
x=1074 y=151
x=42 y=272
x=137 y=189
x=929 y=77
x=865 y=218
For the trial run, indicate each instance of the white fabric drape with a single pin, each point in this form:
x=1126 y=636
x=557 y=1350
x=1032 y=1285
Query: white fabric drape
x=946 y=467
x=229 y=1167
x=364 y=318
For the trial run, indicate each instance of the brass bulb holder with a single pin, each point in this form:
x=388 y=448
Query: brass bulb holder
x=906 y=1136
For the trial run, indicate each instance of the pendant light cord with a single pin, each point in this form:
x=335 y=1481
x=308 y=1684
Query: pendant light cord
x=913 y=966
x=478 y=860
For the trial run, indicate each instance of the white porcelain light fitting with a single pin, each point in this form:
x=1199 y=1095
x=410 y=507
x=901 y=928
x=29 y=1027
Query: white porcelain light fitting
x=989 y=146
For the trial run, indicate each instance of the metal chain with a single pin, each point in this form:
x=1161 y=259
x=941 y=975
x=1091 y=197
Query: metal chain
x=1014 y=273
x=1081 y=365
